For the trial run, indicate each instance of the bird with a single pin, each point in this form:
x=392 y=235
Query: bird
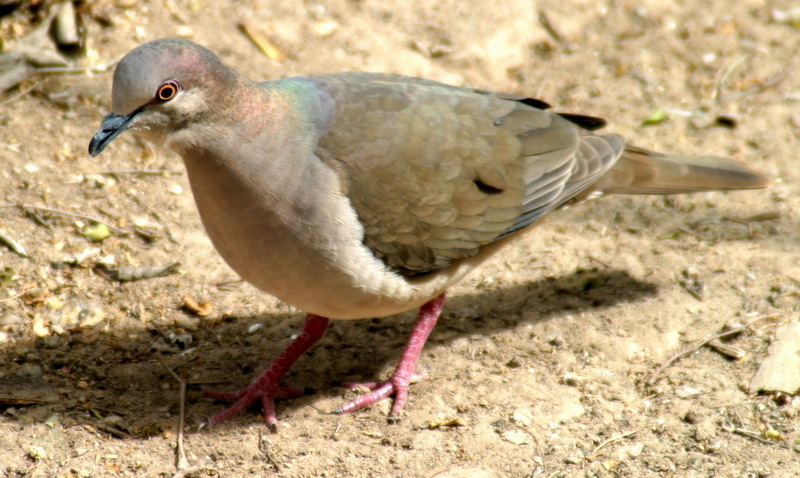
x=360 y=195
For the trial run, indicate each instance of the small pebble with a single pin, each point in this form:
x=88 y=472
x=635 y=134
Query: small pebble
x=523 y=417
x=29 y=371
x=517 y=437
x=37 y=453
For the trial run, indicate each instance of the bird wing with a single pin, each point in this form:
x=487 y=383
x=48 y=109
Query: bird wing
x=436 y=172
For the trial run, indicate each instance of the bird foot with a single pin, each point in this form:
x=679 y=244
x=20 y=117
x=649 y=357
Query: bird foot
x=246 y=397
x=404 y=374
x=267 y=387
x=397 y=386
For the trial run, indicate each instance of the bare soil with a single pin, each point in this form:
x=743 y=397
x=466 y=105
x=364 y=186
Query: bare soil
x=540 y=363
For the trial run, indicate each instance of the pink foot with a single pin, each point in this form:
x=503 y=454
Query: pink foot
x=267 y=386
x=404 y=374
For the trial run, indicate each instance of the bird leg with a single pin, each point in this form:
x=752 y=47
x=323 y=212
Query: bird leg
x=404 y=374
x=267 y=386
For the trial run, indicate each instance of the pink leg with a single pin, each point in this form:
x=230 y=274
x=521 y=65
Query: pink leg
x=267 y=386
x=404 y=374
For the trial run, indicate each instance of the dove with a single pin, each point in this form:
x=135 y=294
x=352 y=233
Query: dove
x=361 y=195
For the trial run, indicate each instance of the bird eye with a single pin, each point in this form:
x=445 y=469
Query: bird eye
x=167 y=90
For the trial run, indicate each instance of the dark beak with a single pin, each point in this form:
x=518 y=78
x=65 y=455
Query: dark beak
x=110 y=128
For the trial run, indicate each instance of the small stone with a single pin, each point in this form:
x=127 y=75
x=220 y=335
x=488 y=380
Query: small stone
x=572 y=379
x=630 y=451
x=325 y=28
x=690 y=418
x=90 y=315
x=467 y=473
x=706 y=430
x=523 y=417
x=687 y=392
x=115 y=420
x=96 y=231
x=53 y=420
x=517 y=437
x=187 y=323
x=184 y=32
x=10 y=319
x=37 y=453
x=555 y=339
x=515 y=362
x=29 y=371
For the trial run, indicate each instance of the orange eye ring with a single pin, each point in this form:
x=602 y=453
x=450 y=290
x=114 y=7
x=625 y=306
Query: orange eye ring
x=167 y=90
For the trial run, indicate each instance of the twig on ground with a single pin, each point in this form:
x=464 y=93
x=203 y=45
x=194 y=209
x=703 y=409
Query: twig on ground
x=593 y=455
x=263 y=445
x=59 y=212
x=21 y=94
x=182 y=465
x=155 y=214
x=730 y=428
x=12 y=244
x=723 y=75
x=13 y=297
x=690 y=349
x=695 y=346
x=115 y=432
x=137 y=172
x=729 y=351
x=72 y=70
x=544 y=20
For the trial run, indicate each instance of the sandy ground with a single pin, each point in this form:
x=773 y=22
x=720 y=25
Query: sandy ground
x=539 y=366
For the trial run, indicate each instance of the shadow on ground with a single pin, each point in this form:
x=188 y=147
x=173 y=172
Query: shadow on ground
x=91 y=376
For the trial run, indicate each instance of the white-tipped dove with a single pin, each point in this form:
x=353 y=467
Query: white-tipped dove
x=359 y=195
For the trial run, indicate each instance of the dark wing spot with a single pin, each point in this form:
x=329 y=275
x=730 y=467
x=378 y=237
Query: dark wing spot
x=486 y=188
x=590 y=123
x=542 y=105
x=725 y=121
x=535 y=103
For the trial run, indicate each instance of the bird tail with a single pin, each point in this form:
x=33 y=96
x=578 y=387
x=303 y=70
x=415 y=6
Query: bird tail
x=639 y=171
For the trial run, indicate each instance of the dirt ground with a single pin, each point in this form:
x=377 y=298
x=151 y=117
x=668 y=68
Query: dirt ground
x=540 y=364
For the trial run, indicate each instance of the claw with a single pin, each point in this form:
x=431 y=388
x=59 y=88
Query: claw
x=266 y=387
x=404 y=374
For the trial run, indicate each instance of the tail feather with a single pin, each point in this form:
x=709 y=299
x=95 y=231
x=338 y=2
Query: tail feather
x=639 y=171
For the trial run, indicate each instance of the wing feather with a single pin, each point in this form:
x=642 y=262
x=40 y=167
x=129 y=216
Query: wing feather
x=436 y=172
